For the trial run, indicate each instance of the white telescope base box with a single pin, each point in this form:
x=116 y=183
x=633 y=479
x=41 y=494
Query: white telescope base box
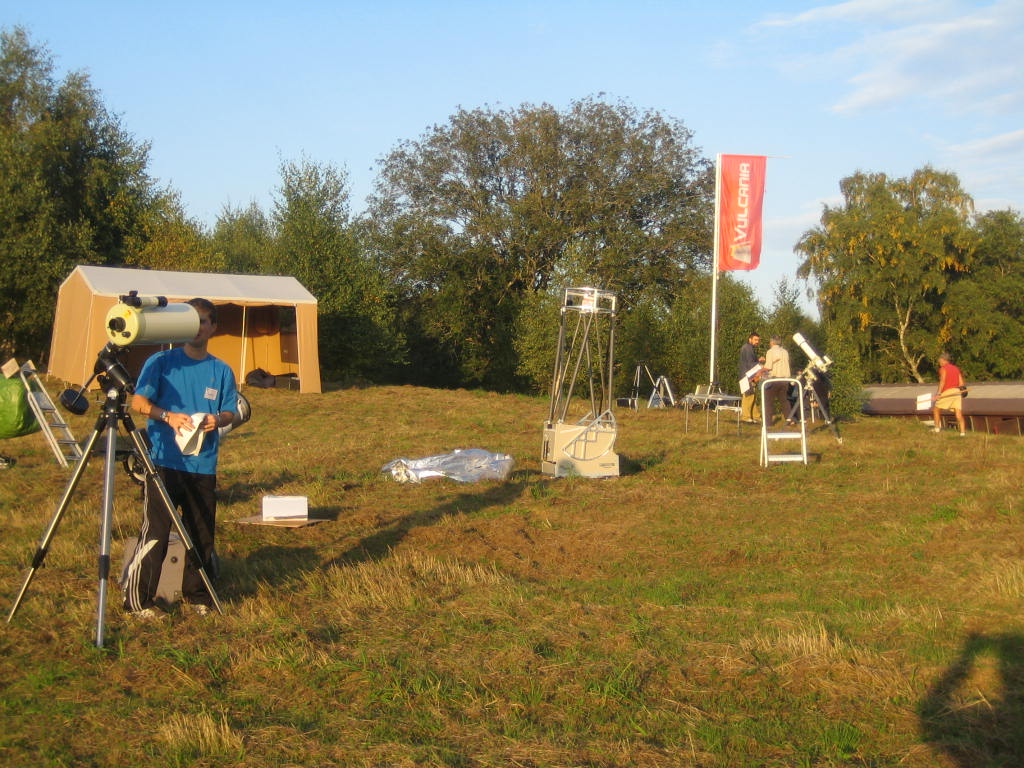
x=580 y=449
x=285 y=508
x=283 y=512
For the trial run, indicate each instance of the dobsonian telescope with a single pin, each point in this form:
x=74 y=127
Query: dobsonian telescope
x=133 y=320
x=584 y=362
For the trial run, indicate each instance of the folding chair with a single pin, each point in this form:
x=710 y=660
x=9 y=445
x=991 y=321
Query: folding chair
x=726 y=404
x=696 y=399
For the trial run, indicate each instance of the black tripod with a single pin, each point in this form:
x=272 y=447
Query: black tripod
x=114 y=411
x=818 y=383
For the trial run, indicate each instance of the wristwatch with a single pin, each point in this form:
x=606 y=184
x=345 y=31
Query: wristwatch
x=163 y=416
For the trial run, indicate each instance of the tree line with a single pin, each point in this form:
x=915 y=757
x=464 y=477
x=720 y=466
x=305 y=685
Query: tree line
x=453 y=274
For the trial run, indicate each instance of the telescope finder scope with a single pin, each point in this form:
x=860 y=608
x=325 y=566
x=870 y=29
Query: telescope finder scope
x=142 y=302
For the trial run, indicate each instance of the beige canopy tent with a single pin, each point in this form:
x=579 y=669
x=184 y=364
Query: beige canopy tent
x=267 y=322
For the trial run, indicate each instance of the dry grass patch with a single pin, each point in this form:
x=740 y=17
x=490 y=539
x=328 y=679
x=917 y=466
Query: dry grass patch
x=1005 y=579
x=199 y=735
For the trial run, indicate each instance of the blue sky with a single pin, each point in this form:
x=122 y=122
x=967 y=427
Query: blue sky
x=224 y=91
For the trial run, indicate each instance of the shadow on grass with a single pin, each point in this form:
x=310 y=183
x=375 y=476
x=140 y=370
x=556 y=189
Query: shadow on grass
x=377 y=545
x=634 y=466
x=965 y=718
x=271 y=565
x=241 y=492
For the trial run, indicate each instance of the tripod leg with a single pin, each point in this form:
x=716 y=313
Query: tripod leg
x=179 y=526
x=821 y=394
x=106 y=528
x=62 y=505
x=794 y=409
x=823 y=405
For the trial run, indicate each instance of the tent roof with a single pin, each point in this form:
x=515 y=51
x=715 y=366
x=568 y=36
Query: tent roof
x=240 y=289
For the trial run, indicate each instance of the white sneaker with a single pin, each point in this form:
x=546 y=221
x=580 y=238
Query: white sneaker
x=148 y=614
x=937 y=430
x=199 y=609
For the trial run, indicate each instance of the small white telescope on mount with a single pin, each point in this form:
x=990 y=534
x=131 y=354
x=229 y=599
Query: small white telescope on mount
x=150 y=320
x=813 y=358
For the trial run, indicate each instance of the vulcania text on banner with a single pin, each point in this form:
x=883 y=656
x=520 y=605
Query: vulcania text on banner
x=740 y=195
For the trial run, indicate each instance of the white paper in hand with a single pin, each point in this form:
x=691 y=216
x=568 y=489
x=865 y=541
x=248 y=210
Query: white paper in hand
x=191 y=442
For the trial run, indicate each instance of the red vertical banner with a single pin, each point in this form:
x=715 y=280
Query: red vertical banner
x=740 y=196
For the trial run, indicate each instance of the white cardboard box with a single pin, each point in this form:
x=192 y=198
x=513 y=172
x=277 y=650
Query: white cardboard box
x=285 y=507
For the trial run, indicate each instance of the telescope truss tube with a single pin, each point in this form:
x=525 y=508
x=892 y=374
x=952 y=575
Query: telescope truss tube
x=584 y=364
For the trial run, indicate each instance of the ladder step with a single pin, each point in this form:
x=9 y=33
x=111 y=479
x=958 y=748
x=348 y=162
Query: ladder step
x=786 y=432
x=49 y=418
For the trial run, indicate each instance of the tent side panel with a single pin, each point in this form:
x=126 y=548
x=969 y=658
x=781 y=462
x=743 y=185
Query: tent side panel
x=78 y=331
x=248 y=338
x=69 y=338
x=309 y=348
x=227 y=343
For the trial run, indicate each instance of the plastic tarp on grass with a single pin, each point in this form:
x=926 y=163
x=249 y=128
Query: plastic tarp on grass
x=465 y=465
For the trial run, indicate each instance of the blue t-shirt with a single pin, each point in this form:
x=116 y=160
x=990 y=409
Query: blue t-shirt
x=175 y=382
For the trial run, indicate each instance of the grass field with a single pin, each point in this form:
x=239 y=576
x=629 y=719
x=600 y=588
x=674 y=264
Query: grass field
x=699 y=610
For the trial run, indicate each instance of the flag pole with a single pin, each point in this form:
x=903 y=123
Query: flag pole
x=714 y=269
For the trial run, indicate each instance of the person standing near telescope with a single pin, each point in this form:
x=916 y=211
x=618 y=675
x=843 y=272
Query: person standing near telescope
x=750 y=369
x=777 y=363
x=187 y=393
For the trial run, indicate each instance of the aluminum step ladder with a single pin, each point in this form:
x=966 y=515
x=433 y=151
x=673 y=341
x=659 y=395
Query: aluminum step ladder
x=55 y=429
x=661 y=395
x=790 y=434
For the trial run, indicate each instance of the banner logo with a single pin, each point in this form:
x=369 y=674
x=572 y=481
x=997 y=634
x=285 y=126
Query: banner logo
x=740 y=192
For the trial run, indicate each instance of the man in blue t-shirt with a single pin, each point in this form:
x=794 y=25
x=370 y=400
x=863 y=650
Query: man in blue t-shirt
x=181 y=390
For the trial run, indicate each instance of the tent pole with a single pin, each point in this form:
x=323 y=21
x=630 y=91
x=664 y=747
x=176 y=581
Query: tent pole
x=241 y=370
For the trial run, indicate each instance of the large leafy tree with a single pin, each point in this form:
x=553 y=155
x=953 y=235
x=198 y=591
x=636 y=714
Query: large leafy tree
x=168 y=238
x=984 y=312
x=689 y=329
x=73 y=188
x=885 y=259
x=786 y=316
x=316 y=242
x=494 y=206
x=243 y=239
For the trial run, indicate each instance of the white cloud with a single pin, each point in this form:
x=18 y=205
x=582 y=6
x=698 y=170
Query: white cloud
x=998 y=145
x=859 y=10
x=990 y=168
x=961 y=57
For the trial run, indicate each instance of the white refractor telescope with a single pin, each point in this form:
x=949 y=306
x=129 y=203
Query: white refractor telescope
x=150 y=320
x=815 y=361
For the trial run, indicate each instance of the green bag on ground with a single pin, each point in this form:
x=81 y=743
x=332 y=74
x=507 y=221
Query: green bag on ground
x=16 y=417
